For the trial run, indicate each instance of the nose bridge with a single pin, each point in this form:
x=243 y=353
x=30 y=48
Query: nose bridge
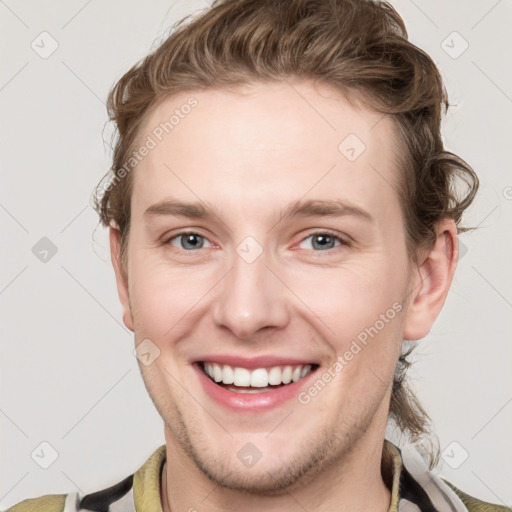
x=250 y=297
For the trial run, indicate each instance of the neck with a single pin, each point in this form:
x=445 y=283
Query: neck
x=352 y=484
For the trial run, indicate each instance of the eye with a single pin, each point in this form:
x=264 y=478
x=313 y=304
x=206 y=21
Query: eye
x=188 y=241
x=324 y=241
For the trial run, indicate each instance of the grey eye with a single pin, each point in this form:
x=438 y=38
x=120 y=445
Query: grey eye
x=188 y=241
x=322 y=241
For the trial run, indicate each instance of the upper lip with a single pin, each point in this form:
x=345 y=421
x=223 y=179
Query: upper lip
x=252 y=363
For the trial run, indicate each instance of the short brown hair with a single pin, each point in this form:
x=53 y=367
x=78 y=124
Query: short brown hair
x=359 y=47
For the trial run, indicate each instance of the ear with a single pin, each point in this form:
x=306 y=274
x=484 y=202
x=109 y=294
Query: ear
x=431 y=280
x=121 y=277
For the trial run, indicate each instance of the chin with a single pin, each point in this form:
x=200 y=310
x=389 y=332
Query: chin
x=276 y=472
x=267 y=479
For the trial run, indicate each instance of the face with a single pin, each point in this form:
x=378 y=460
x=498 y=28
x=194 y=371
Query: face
x=267 y=245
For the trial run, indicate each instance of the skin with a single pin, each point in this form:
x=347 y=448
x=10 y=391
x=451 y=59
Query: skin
x=248 y=153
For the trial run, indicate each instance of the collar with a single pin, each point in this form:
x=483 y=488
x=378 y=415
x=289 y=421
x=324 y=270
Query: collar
x=396 y=473
x=414 y=487
x=146 y=481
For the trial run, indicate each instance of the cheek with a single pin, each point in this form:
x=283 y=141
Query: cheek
x=359 y=314
x=163 y=296
x=351 y=298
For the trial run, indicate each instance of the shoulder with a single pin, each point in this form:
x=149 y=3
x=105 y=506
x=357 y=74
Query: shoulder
x=476 y=505
x=429 y=491
x=46 y=503
x=118 y=496
x=140 y=487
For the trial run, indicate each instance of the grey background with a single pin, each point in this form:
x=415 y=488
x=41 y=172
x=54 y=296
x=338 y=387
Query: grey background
x=68 y=374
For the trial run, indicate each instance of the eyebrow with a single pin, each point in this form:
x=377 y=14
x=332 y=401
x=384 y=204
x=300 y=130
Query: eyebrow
x=300 y=208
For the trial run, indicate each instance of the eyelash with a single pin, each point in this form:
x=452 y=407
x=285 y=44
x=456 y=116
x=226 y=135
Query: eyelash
x=343 y=241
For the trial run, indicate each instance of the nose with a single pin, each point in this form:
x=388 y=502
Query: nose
x=250 y=299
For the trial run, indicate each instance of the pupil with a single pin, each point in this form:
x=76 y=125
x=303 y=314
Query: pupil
x=324 y=240
x=189 y=239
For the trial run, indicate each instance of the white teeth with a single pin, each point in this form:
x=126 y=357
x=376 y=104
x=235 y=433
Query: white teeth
x=287 y=375
x=305 y=371
x=242 y=377
x=228 y=375
x=217 y=373
x=208 y=368
x=258 y=378
x=274 y=376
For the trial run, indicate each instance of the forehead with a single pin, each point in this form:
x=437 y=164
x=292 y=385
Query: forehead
x=267 y=142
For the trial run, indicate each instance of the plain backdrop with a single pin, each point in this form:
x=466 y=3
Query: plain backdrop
x=68 y=374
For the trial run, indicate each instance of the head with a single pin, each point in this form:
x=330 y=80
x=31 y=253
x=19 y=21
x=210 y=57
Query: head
x=249 y=111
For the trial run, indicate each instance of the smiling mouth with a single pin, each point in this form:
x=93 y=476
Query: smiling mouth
x=259 y=380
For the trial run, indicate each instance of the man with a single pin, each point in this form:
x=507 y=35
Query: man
x=282 y=221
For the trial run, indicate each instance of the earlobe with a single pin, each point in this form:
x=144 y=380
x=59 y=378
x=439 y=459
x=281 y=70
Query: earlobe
x=431 y=282
x=121 y=277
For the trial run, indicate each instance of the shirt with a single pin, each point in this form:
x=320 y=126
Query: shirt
x=414 y=488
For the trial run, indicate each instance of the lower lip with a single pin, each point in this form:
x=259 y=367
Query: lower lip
x=250 y=401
